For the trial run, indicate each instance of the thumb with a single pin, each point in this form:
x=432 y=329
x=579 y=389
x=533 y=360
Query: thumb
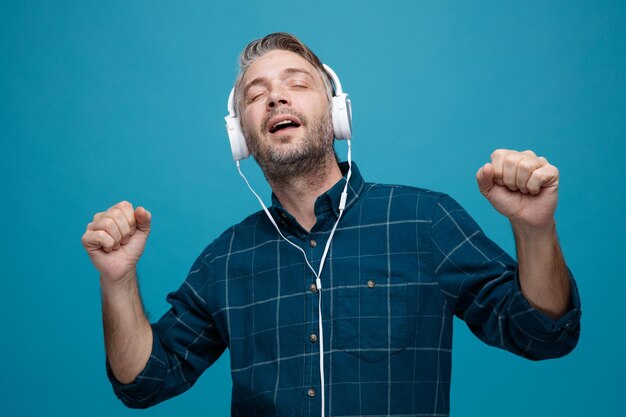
x=484 y=178
x=143 y=216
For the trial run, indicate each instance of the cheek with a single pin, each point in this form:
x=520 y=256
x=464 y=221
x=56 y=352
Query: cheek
x=320 y=107
x=250 y=121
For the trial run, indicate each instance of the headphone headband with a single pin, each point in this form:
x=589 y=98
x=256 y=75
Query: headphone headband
x=334 y=79
x=231 y=103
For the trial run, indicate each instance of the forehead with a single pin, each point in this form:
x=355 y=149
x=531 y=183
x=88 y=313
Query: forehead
x=274 y=64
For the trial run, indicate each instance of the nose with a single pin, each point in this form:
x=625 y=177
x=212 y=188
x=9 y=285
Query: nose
x=277 y=98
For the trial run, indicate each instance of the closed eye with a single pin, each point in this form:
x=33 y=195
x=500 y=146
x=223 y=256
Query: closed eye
x=254 y=97
x=299 y=86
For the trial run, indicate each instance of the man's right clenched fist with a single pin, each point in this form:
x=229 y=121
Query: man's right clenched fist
x=115 y=240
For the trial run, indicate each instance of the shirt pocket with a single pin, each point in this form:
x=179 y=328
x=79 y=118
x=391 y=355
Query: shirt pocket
x=370 y=317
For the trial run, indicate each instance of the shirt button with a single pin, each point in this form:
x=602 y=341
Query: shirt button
x=283 y=215
x=371 y=283
x=313 y=243
x=311 y=392
x=312 y=287
x=313 y=338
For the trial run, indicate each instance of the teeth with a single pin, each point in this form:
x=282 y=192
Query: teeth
x=284 y=122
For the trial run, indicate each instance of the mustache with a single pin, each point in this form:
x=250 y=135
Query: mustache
x=280 y=112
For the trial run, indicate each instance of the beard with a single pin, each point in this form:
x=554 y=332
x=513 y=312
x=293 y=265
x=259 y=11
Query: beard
x=285 y=162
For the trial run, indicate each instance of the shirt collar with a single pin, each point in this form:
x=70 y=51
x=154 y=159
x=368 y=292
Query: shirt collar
x=329 y=201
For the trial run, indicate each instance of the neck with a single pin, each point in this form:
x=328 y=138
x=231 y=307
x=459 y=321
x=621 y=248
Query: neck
x=298 y=193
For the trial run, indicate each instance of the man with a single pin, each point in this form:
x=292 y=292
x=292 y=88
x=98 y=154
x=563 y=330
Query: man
x=402 y=263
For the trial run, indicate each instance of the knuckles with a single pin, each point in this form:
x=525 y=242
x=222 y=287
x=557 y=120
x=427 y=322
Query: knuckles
x=498 y=153
x=124 y=205
x=511 y=158
x=526 y=160
x=526 y=164
x=117 y=214
x=556 y=172
x=107 y=222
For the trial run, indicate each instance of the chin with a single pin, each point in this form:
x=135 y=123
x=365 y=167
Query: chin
x=292 y=138
x=284 y=140
x=287 y=150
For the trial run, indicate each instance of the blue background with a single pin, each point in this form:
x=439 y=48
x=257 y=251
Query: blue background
x=104 y=101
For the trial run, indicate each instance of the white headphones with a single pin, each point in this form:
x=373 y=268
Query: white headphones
x=341 y=113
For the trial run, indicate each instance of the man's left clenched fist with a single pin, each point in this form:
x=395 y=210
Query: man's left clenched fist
x=521 y=186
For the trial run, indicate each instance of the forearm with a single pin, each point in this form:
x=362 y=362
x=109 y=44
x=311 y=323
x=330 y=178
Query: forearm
x=543 y=275
x=127 y=332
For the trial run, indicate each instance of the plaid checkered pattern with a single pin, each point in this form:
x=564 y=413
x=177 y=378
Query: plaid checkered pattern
x=402 y=263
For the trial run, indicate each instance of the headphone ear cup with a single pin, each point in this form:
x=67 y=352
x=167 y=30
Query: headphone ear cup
x=342 y=116
x=238 y=144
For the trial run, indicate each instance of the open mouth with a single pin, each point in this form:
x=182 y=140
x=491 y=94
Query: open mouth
x=283 y=123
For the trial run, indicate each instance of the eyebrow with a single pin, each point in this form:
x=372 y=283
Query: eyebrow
x=286 y=71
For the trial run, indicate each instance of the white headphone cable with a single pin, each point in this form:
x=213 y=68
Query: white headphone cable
x=318 y=281
x=342 y=207
x=272 y=219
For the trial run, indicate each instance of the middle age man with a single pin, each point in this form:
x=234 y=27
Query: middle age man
x=402 y=263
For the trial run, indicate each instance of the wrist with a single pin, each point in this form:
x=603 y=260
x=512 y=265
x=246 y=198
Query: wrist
x=124 y=282
x=533 y=232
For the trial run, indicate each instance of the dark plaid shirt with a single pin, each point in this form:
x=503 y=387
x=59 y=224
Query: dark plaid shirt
x=404 y=261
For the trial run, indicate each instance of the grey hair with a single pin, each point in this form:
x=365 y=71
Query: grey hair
x=272 y=42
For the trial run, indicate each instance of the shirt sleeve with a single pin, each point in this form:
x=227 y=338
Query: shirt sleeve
x=185 y=343
x=480 y=285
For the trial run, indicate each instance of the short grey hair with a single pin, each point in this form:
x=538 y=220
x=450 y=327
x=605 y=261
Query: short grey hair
x=272 y=42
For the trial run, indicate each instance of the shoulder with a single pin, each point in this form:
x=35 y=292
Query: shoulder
x=422 y=201
x=237 y=237
x=378 y=190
